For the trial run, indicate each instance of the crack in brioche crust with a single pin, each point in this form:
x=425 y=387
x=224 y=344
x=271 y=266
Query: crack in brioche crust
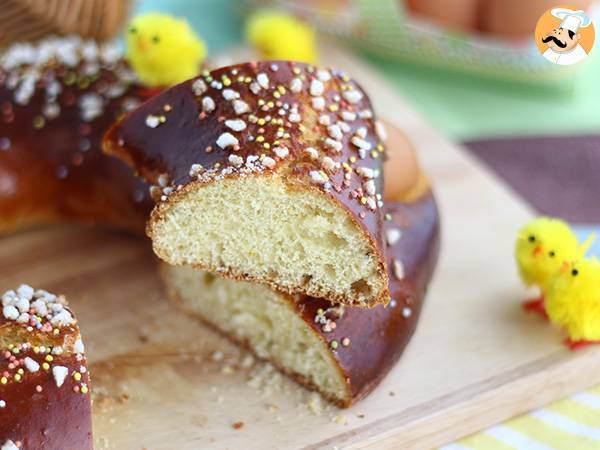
x=57 y=99
x=44 y=381
x=364 y=344
x=313 y=126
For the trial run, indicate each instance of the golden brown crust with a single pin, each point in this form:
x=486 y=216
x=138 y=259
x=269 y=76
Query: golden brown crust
x=53 y=115
x=44 y=382
x=314 y=127
x=385 y=330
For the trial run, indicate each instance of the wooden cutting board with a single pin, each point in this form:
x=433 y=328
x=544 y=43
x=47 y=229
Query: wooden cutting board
x=163 y=381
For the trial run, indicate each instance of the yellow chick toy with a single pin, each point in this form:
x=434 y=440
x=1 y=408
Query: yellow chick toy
x=163 y=50
x=277 y=35
x=542 y=247
x=573 y=302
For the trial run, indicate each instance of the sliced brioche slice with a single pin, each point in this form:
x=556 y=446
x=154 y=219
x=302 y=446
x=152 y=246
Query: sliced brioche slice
x=341 y=352
x=44 y=383
x=267 y=172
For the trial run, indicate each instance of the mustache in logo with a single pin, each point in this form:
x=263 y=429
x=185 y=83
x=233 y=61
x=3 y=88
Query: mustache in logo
x=555 y=40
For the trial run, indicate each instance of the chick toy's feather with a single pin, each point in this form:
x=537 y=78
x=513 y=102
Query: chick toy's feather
x=163 y=50
x=542 y=247
x=276 y=35
x=573 y=300
x=587 y=244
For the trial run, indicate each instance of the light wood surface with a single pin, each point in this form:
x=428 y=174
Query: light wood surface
x=475 y=360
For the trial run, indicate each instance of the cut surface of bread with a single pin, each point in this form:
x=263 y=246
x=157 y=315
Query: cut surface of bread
x=44 y=382
x=267 y=172
x=263 y=320
x=341 y=352
x=272 y=231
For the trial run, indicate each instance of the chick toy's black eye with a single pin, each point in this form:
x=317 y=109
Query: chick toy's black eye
x=552 y=254
x=574 y=272
x=156 y=39
x=531 y=238
x=133 y=30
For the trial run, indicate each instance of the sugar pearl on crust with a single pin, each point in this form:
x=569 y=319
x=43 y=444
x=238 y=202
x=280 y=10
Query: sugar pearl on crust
x=31 y=365
x=208 y=104
x=316 y=88
x=199 y=87
x=296 y=85
x=78 y=347
x=152 y=121
x=329 y=164
x=9 y=445
x=398 y=268
x=348 y=116
x=281 y=152
x=196 y=169
x=240 y=107
x=380 y=130
x=312 y=152
x=263 y=80
x=318 y=103
x=318 y=177
x=227 y=140
x=323 y=75
x=365 y=114
x=236 y=160
x=336 y=145
x=10 y=312
x=255 y=88
x=392 y=236
x=59 y=373
x=335 y=132
x=230 y=94
x=236 y=125
x=361 y=143
x=352 y=96
x=268 y=162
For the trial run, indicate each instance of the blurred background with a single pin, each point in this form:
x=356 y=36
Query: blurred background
x=470 y=67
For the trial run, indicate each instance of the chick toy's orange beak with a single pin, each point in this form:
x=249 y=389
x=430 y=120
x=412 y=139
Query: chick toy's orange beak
x=564 y=267
x=142 y=44
x=538 y=250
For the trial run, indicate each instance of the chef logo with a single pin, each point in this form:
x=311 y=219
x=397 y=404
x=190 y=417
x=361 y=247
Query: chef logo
x=564 y=35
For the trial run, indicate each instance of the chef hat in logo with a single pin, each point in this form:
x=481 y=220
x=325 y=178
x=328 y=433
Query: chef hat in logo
x=570 y=19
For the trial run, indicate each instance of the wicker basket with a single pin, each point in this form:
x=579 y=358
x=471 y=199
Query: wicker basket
x=32 y=19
